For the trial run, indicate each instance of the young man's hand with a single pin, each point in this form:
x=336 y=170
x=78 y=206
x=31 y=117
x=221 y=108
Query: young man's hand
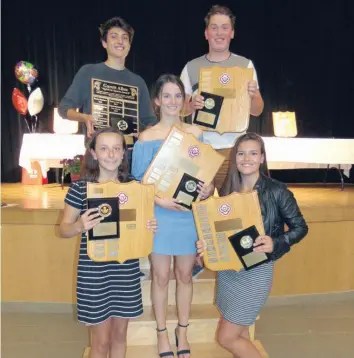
x=89 y=122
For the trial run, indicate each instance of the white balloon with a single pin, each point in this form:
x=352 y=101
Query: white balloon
x=35 y=102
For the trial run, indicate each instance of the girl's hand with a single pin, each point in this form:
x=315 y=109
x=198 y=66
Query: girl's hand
x=265 y=244
x=152 y=225
x=170 y=204
x=205 y=190
x=201 y=247
x=197 y=102
x=89 y=219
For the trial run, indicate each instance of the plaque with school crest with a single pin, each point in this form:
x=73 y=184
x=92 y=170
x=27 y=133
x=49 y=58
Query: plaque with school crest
x=115 y=105
x=180 y=164
x=125 y=209
x=226 y=100
x=220 y=220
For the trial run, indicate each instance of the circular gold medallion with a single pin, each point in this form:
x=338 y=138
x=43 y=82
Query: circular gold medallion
x=105 y=210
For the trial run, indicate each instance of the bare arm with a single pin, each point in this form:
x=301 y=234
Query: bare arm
x=257 y=104
x=88 y=119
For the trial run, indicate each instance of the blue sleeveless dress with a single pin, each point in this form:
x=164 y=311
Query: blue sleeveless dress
x=176 y=233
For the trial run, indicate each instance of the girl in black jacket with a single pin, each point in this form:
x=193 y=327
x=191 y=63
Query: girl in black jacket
x=241 y=295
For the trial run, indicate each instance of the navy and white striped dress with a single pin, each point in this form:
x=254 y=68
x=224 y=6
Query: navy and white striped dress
x=104 y=289
x=241 y=295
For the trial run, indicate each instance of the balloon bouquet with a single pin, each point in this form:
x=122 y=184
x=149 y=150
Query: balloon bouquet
x=27 y=73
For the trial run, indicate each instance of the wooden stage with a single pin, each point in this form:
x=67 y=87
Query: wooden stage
x=38 y=266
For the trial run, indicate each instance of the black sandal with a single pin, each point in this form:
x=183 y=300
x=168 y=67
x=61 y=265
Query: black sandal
x=183 y=351
x=164 y=354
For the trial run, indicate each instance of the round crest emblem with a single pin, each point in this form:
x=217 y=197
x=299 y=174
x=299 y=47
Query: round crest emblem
x=224 y=78
x=105 y=210
x=193 y=151
x=246 y=242
x=209 y=103
x=123 y=198
x=225 y=209
x=191 y=186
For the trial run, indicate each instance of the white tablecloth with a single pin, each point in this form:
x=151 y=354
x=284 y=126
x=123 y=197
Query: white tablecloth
x=282 y=153
x=49 y=149
x=300 y=153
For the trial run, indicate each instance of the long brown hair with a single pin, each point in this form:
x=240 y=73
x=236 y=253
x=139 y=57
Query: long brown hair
x=156 y=92
x=90 y=169
x=233 y=179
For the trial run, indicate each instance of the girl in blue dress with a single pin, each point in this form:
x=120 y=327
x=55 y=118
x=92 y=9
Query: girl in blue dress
x=176 y=235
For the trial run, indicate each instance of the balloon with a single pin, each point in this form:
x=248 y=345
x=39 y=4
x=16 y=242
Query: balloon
x=35 y=102
x=19 y=101
x=26 y=72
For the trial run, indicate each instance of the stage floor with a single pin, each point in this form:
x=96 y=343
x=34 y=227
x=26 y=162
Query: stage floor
x=321 y=263
x=316 y=198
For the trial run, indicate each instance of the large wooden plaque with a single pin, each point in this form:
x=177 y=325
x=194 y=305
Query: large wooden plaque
x=130 y=239
x=231 y=83
x=180 y=163
x=217 y=219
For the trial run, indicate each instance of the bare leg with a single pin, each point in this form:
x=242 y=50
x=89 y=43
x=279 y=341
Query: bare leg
x=235 y=339
x=245 y=334
x=100 y=339
x=159 y=294
x=184 y=293
x=118 y=337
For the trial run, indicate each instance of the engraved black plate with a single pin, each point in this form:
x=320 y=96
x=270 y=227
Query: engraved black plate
x=108 y=228
x=242 y=242
x=208 y=116
x=186 y=191
x=115 y=105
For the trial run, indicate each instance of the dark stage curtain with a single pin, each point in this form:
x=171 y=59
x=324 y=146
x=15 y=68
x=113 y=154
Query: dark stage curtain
x=303 y=52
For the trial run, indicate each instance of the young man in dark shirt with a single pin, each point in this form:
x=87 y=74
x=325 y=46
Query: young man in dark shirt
x=107 y=93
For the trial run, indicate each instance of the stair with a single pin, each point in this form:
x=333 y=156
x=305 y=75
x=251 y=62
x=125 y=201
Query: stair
x=204 y=318
x=202 y=350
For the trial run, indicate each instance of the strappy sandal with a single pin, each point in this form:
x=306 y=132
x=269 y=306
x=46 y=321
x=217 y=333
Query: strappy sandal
x=183 y=351
x=164 y=354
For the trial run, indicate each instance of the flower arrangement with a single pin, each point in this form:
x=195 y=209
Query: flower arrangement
x=72 y=166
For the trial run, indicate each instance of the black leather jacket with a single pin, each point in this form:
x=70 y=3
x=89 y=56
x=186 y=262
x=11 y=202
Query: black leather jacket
x=279 y=207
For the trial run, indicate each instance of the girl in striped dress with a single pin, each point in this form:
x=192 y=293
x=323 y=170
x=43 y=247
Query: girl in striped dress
x=108 y=293
x=241 y=295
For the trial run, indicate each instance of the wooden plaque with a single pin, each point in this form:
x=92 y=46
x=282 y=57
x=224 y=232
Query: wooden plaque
x=217 y=219
x=182 y=160
x=231 y=83
x=131 y=239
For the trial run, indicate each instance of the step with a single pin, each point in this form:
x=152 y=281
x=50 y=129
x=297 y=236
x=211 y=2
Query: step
x=203 y=322
x=203 y=288
x=202 y=350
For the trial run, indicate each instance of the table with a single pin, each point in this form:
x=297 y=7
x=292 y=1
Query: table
x=49 y=149
x=296 y=153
